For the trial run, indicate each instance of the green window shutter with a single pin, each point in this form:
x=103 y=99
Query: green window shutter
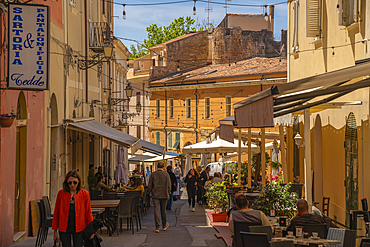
x=177 y=141
x=158 y=138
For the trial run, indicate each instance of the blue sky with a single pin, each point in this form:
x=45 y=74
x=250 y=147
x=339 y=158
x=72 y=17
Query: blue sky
x=139 y=17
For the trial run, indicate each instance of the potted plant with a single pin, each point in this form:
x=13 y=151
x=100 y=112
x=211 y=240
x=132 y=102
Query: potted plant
x=218 y=201
x=6 y=119
x=277 y=198
x=91 y=180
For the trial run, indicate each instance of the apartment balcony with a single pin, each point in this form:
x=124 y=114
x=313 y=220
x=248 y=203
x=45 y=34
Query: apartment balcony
x=99 y=33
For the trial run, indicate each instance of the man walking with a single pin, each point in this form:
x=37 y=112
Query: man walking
x=160 y=189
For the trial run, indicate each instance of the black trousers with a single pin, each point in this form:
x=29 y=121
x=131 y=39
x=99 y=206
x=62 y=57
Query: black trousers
x=65 y=237
x=191 y=196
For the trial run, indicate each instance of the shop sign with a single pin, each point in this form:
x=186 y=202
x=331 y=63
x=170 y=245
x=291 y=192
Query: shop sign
x=29 y=47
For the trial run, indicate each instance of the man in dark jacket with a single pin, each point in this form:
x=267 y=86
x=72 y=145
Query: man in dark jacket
x=160 y=188
x=202 y=180
x=304 y=217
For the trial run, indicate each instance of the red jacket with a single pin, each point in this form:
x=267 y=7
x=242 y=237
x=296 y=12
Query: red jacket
x=82 y=209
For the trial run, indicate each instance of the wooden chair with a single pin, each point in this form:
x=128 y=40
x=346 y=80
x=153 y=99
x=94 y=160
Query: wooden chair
x=325 y=205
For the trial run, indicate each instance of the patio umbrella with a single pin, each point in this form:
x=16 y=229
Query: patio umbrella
x=203 y=160
x=188 y=164
x=121 y=169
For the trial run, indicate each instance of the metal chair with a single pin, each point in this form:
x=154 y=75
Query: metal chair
x=321 y=229
x=241 y=227
x=39 y=239
x=347 y=237
x=126 y=211
x=48 y=217
x=95 y=194
x=365 y=242
x=262 y=229
x=254 y=239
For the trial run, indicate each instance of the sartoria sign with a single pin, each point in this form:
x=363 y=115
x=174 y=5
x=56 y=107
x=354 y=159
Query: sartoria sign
x=28 y=51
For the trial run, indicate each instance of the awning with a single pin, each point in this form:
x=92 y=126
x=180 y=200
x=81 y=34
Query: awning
x=91 y=126
x=227 y=129
x=259 y=110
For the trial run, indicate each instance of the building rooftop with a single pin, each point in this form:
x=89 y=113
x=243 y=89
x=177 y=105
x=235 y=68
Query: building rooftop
x=186 y=35
x=251 y=66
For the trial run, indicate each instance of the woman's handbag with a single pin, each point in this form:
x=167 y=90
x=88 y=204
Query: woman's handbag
x=56 y=243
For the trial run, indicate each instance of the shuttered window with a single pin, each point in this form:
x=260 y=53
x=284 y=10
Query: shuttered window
x=228 y=106
x=313 y=18
x=158 y=138
x=188 y=108
x=207 y=108
x=348 y=12
x=169 y=140
x=295 y=26
x=158 y=108
x=170 y=108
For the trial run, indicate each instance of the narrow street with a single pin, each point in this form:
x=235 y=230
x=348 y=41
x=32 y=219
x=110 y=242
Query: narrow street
x=186 y=229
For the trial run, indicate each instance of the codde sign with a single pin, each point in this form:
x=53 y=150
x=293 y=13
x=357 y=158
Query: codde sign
x=28 y=51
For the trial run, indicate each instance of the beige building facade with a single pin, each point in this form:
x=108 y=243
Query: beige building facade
x=324 y=36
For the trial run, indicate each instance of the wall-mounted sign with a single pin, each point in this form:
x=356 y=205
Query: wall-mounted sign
x=28 y=49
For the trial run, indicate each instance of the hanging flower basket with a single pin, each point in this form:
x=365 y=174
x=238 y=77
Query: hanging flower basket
x=6 y=120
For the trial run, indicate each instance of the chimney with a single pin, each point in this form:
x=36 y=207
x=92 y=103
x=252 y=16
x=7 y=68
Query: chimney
x=272 y=8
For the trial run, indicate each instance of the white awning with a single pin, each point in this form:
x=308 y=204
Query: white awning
x=91 y=126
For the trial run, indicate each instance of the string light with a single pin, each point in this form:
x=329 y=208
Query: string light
x=124 y=11
x=194 y=8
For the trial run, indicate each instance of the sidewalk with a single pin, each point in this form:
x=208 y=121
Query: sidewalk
x=186 y=229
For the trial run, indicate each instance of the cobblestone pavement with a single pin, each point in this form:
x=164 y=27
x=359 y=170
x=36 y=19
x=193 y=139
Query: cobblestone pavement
x=186 y=229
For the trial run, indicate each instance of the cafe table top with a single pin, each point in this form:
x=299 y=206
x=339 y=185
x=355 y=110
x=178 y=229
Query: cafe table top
x=97 y=210
x=308 y=241
x=104 y=203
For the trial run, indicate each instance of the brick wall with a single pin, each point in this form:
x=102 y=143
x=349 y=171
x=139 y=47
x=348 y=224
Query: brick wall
x=234 y=44
x=230 y=45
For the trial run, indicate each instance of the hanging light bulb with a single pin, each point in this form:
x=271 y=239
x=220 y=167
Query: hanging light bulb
x=124 y=11
x=194 y=8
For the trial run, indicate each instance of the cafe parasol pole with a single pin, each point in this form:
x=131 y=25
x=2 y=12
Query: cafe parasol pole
x=240 y=157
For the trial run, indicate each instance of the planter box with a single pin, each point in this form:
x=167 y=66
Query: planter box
x=6 y=122
x=219 y=217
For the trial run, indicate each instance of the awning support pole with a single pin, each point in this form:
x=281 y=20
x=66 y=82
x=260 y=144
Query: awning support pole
x=249 y=158
x=240 y=157
x=282 y=151
x=263 y=158
x=307 y=153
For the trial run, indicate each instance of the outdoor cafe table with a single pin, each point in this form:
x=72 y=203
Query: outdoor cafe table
x=107 y=204
x=307 y=241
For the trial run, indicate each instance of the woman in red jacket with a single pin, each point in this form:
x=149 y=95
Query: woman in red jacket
x=72 y=211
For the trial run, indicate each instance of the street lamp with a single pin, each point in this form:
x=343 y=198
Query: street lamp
x=129 y=91
x=138 y=108
x=298 y=140
x=108 y=50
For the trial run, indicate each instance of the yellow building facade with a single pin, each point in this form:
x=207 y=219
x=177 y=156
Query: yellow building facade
x=324 y=36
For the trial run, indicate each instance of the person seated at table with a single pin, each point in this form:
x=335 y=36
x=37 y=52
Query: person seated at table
x=131 y=182
x=138 y=187
x=102 y=187
x=304 y=217
x=245 y=214
x=208 y=183
x=217 y=178
x=135 y=171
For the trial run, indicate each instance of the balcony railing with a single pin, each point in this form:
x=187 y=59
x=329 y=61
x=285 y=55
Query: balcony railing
x=99 y=33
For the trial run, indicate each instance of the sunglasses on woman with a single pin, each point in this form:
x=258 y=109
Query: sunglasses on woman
x=74 y=182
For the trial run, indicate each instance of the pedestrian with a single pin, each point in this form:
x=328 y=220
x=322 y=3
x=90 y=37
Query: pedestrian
x=177 y=172
x=99 y=173
x=72 y=211
x=203 y=179
x=160 y=188
x=148 y=172
x=191 y=181
x=173 y=187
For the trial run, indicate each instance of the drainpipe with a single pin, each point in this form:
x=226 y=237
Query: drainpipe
x=196 y=115
x=143 y=110
x=86 y=54
x=165 y=125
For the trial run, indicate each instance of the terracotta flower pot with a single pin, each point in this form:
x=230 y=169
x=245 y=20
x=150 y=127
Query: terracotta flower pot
x=219 y=217
x=6 y=122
